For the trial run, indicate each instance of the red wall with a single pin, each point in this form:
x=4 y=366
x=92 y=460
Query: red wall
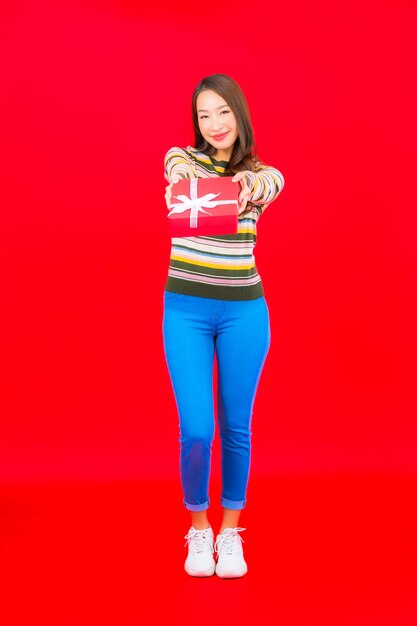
x=93 y=95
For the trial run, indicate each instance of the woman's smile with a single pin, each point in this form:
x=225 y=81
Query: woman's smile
x=220 y=137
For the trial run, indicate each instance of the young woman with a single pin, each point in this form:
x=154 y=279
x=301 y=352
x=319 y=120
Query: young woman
x=214 y=304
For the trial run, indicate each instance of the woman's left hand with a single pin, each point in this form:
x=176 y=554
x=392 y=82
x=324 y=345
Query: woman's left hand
x=244 y=192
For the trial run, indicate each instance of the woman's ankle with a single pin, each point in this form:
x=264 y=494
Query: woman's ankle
x=199 y=519
x=201 y=526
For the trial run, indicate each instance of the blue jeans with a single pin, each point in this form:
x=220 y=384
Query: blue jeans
x=238 y=332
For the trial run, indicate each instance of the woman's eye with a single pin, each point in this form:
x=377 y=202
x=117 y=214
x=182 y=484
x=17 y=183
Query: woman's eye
x=202 y=117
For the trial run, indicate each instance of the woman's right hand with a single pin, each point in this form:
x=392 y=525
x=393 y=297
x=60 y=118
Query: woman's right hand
x=175 y=179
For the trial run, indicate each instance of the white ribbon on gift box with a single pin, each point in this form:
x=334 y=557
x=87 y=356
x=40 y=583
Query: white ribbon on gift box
x=195 y=205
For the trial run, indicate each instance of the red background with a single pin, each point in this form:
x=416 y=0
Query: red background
x=94 y=93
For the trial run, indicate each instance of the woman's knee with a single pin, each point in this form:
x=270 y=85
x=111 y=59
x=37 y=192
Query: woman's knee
x=197 y=439
x=236 y=437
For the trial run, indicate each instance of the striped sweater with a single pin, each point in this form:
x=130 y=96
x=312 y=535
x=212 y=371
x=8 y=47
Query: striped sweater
x=221 y=266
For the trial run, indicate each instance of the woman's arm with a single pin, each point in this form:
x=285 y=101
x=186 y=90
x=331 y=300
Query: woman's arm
x=264 y=185
x=178 y=164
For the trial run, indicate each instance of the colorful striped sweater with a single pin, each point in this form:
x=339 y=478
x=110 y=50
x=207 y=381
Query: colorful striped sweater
x=221 y=266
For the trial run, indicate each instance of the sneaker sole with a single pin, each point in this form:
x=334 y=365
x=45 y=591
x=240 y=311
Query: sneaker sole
x=221 y=574
x=198 y=574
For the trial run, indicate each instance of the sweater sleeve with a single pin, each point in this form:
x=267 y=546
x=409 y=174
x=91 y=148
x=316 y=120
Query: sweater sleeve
x=177 y=162
x=265 y=185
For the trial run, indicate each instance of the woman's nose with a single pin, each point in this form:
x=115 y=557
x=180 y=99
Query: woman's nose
x=216 y=124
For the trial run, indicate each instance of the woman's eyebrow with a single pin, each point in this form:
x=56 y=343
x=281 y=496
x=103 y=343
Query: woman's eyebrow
x=205 y=110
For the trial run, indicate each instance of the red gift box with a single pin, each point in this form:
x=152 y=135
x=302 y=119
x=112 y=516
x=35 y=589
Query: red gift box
x=204 y=206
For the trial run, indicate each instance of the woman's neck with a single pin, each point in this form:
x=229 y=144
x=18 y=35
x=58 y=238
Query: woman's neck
x=222 y=155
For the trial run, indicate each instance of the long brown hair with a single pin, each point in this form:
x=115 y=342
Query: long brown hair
x=244 y=155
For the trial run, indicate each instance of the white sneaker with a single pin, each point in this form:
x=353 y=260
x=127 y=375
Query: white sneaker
x=230 y=561
x=200 y=560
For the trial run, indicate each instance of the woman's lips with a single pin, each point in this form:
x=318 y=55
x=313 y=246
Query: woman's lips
x=220 y=137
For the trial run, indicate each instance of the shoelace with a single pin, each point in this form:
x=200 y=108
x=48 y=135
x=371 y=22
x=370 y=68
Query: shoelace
x=199 y=538
x=227 y=539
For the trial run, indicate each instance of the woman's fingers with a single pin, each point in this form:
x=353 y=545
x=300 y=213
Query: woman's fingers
x=242 y=206
x=243 y=197
x=238 y=176
x=168 y=193
x=244 y=191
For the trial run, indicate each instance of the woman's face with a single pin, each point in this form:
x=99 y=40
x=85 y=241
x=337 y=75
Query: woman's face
x=217 y=122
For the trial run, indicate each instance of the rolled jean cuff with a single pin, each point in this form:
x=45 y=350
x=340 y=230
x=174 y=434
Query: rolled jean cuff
x=197 y=507
x=235 y=505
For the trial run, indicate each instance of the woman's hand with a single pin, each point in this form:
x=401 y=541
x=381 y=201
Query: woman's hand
x=244 y=192
x=168 y=192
